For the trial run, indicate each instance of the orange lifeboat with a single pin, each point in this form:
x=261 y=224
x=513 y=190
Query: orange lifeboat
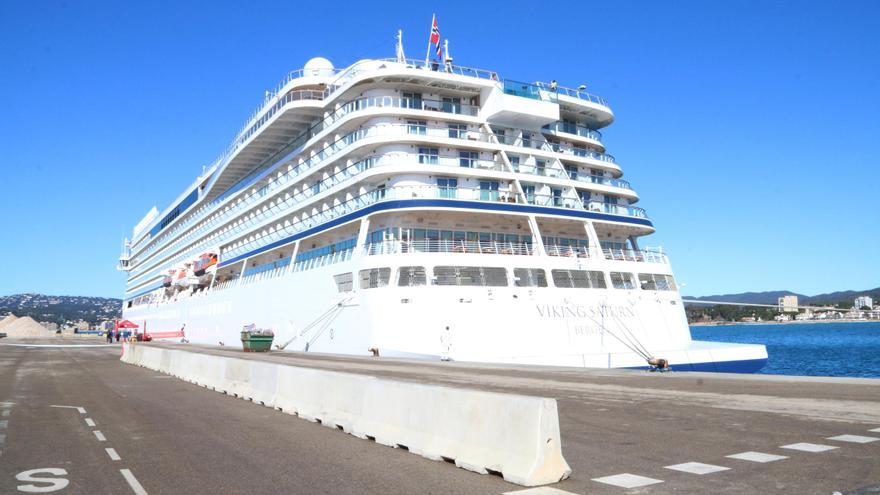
x=204 y=263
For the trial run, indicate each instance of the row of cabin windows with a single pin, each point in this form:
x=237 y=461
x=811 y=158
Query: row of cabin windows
x=487 y=276
x=407 y=234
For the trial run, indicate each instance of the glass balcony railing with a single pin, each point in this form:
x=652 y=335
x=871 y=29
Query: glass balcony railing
x=576 y=93
x=575 y=129
x=528 y=90
x=410 y=192
x=386 y=130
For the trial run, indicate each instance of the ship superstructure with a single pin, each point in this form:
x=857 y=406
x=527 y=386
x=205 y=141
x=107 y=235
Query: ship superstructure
x=425 y=210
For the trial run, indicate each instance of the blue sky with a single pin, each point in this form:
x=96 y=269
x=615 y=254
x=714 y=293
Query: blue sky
x=748 y=128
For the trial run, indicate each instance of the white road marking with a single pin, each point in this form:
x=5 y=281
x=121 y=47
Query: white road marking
x=90 y=422
x=2 y=437
x=5 y=412
x=4 y=423
x=697 y=468
x=757 y=457
x=112 y=453
x=808 y=447
x=853 y=438
x=875 y=430
x=539 y=490
x=81 y=410
x=4 y=405
x=37 y=476
x=626 y=480
x=100 y=436
x=133 y=482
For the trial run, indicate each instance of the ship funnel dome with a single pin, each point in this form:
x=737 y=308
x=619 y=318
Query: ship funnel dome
x=318 y=66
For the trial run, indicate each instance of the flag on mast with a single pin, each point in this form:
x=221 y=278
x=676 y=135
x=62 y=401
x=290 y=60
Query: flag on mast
x=435 y=36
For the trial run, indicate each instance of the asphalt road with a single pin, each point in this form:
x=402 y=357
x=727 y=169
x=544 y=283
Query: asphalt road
x=175 y=437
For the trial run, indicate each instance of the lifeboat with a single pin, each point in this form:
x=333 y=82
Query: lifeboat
x=207 y=263
x=185 y=278
x=169 y=279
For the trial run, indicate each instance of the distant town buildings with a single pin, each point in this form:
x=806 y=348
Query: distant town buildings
x=863 y=301
x=788 y=304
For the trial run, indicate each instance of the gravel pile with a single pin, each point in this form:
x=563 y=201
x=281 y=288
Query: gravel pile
x=23 y=327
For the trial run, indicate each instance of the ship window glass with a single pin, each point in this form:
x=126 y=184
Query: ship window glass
x=529 y=277
x=489 y=190
x=529 y=191
x=419 y=127
x=457 y=131
x=412 y=100
x=572 y=172
x=412 y=276
x=428 y=155
x=526 y=140
x=451 y=104
x=656 y=281
x=372 y=278
x=621 y=280
x=468 y=158
x=447 y=186
x=344 y=281
x=557 y=196
x=540 y=167
x=610 y=200
x=470 y=276
x=578 y=279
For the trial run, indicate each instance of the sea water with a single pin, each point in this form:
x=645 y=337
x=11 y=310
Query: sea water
x=817 y=349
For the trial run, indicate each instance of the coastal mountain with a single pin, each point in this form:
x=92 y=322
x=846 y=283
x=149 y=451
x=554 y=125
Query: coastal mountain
x=772 y=297
x=61 y=309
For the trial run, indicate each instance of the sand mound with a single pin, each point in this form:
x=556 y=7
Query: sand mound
x=10 y=318
x=26 y=327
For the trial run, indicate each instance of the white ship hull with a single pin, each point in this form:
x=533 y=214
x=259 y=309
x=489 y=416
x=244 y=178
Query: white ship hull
x=594 y=328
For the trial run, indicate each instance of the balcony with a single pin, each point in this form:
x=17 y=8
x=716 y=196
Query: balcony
x=588 y=135
x=448 y=246
x=298 y=224
x=518 y=103
x=641 y=256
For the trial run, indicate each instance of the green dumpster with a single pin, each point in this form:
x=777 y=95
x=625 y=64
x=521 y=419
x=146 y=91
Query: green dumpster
x=255 y=340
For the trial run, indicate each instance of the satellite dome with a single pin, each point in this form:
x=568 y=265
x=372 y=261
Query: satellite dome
x=318 y=66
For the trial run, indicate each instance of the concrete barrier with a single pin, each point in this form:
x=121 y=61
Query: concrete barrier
x=514 y=435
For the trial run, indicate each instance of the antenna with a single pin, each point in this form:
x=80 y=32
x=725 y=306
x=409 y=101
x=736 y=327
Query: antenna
x=401 y=57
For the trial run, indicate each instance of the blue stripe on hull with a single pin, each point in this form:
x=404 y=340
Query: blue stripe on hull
x=743 y=366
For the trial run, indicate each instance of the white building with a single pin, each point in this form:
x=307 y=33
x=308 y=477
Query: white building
x=863 y=301
x=788 y=304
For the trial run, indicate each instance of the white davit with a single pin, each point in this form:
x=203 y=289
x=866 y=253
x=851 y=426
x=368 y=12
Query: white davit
x=425 y=210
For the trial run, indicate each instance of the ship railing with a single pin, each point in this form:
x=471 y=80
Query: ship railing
x=576 y=93
x=529 y=90
x=575 y=129
x=397 y=193
x=323 y=260
x=614 y=209
x=646 y=256
x=404 y=129
x=448 y=246
x=382 y=101
x=348 y=173
x=567 y=251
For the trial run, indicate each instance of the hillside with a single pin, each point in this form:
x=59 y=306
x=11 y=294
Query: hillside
x=61 y=309
x=844 y=298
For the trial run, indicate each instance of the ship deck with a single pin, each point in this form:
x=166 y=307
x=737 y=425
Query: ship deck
x=179 y=437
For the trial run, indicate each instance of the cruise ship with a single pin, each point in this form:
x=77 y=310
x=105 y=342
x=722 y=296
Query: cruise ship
x=420 y=209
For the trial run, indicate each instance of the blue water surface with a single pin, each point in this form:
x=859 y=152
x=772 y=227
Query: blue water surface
x=817 y=349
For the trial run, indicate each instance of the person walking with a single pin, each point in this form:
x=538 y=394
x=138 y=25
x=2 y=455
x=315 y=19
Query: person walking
x=117 y=335
x=109 y=336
